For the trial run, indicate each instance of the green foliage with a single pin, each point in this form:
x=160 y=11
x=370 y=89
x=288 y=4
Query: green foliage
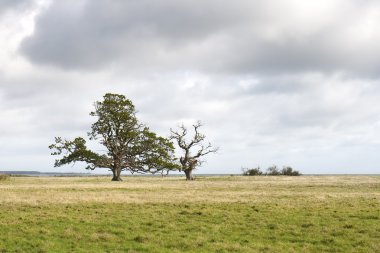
x=130 y=145
x=74 y=151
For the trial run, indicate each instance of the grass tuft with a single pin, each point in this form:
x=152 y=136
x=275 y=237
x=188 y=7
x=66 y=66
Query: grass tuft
x=141 y=239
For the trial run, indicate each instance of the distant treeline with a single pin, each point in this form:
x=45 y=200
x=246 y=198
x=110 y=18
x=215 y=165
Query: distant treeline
x=271 y=171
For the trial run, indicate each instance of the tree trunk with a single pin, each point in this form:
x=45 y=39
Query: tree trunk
x=189 y=174
x=116 y=174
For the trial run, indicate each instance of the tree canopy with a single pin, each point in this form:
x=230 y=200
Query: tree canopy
x=130 y=145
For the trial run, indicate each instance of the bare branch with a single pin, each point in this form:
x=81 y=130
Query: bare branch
x=187 y=160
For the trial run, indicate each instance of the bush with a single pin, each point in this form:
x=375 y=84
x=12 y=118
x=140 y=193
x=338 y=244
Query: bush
x=4 y=177
x=252 y=172
x=288 y=171
x=273 y=171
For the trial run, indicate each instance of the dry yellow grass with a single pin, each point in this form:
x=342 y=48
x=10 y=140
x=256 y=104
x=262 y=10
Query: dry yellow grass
x=50 y=190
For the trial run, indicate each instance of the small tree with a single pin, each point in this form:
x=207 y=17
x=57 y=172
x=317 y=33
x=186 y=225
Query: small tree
x=190 y=159
x=129 y=144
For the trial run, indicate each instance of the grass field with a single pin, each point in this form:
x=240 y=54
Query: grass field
x=221 y=214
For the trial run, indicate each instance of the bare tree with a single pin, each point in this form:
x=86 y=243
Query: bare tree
x=193 y=149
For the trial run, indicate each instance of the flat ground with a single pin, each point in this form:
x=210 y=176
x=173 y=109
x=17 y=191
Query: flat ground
x=216 y=214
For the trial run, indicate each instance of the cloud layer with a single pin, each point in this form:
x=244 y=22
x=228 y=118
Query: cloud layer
x=286 y=82
x=266 y=37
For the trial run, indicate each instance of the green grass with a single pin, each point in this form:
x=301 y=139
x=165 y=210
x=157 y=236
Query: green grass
x=226 y=214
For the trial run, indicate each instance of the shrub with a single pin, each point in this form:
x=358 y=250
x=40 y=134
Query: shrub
x=252 y=172
x=273 y=171
x=288 y=171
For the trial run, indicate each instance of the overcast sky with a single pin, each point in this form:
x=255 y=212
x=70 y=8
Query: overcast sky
x=285 y=82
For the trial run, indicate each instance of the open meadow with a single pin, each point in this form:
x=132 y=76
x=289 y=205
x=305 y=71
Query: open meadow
x=210 y=214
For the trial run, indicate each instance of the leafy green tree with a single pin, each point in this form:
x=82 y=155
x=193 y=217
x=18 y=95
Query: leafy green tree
x=129 y=144
x=193 y=149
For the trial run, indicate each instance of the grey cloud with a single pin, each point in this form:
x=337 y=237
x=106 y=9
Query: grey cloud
x=90 y=34
x=277 y=84
x=6 y=5
x=324 y=53
x=213 y=36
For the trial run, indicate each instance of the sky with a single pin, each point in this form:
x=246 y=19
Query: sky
x=275 y=82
